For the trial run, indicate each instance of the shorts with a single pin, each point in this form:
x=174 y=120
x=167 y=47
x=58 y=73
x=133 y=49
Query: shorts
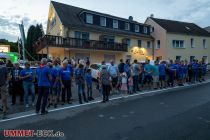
x=162 y=77
x=114 y=81
x=148 y=79
x=155 y=79
x=56 y=91
x=4 y=92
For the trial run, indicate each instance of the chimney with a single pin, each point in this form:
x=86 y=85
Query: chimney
x=152 y=15
x=130 y=18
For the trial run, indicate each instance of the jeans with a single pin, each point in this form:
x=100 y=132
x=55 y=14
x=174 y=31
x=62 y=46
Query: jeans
x=135 y=83
x=106 y=92
x=66 y=90
x=17 y=89
x=81 y=89
x=28 y=87
x=89 y=91
x=42 y=97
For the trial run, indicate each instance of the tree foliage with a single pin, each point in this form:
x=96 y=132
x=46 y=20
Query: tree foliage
x=34 y=33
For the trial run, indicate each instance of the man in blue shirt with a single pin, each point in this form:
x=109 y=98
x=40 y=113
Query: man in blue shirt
x=80 y=81
x=148 y=68
x=44 y=78
x=195 y=70
x=162 y=74
x=66 y=83
x=27 y=76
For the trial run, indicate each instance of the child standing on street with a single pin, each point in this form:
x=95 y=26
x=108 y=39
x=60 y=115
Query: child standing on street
x=124 y=86
x=88 y=78
x=130 y=85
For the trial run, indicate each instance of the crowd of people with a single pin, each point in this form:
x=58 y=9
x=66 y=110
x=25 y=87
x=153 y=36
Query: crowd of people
x=55 y=78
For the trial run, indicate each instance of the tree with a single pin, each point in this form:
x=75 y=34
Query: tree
x=34 y=33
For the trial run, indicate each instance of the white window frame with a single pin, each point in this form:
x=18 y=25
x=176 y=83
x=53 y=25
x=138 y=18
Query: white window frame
x=149 y=47
x=179 y=44
x=204 y=44
x=103 y=21
x=89 y=18
x=115 y=24
x=157 y=45
x=145 y=30
x=127 y=27
x=136 y=28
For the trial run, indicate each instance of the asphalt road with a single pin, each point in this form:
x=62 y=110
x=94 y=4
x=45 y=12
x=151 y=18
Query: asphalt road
x=175 y=115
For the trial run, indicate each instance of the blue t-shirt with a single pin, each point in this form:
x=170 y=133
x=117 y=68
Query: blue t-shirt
x=66 y=74
x=70 y=67
x=155 y=70
x=148 y=68
x=55 y=74
x=42 y=73
x=88 y=79
x=162 y=69
x=26 y=72
x=195 y=66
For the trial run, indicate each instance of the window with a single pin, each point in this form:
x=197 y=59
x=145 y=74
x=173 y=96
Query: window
x=148 y=44
x=103 y=21
x=204 y=44
x=89 y=18
x=145 y=30
x=178 y=57
x=139 y=43
x=136 y=28
x=151 y=29
x=178 y=43
x=81 y=35
x=192 y=58
x=53 y=22
x=127 y=26
x=115 y=24
x=158 y=44
x=109 y=39
x=192 y=43
x=205 y=59
x=128 y=41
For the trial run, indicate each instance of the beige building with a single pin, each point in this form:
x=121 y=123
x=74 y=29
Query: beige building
x=73 y=32
x=179 y=40
x=5 y=48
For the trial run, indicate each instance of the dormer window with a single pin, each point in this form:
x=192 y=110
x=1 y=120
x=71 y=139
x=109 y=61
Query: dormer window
x=115 y=24
x=136 y=28
x=102 y=21
x=89 y=18
x=145 y=30
x=127 y=26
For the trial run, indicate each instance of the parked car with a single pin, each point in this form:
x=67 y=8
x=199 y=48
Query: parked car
x=95 y=69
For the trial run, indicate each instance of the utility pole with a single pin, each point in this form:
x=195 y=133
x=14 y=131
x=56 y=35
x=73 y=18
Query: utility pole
x=22 y=33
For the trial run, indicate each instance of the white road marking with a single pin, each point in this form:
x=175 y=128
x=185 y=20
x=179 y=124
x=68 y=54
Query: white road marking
x=111 y=118
x=95 y=102
x=101 y=115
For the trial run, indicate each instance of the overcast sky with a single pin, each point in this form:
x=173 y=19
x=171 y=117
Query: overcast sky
x=36 y=11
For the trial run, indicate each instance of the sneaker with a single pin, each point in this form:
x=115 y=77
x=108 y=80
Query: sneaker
x=69 y=102
x=55 y=105
x=43 y=113
x=27 y=106
x=37 y=112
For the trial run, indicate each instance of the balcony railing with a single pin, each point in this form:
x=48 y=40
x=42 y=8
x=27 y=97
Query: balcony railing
x=57 y=41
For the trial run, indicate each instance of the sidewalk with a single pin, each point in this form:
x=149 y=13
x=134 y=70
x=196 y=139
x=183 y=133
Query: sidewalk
x=14 y=109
